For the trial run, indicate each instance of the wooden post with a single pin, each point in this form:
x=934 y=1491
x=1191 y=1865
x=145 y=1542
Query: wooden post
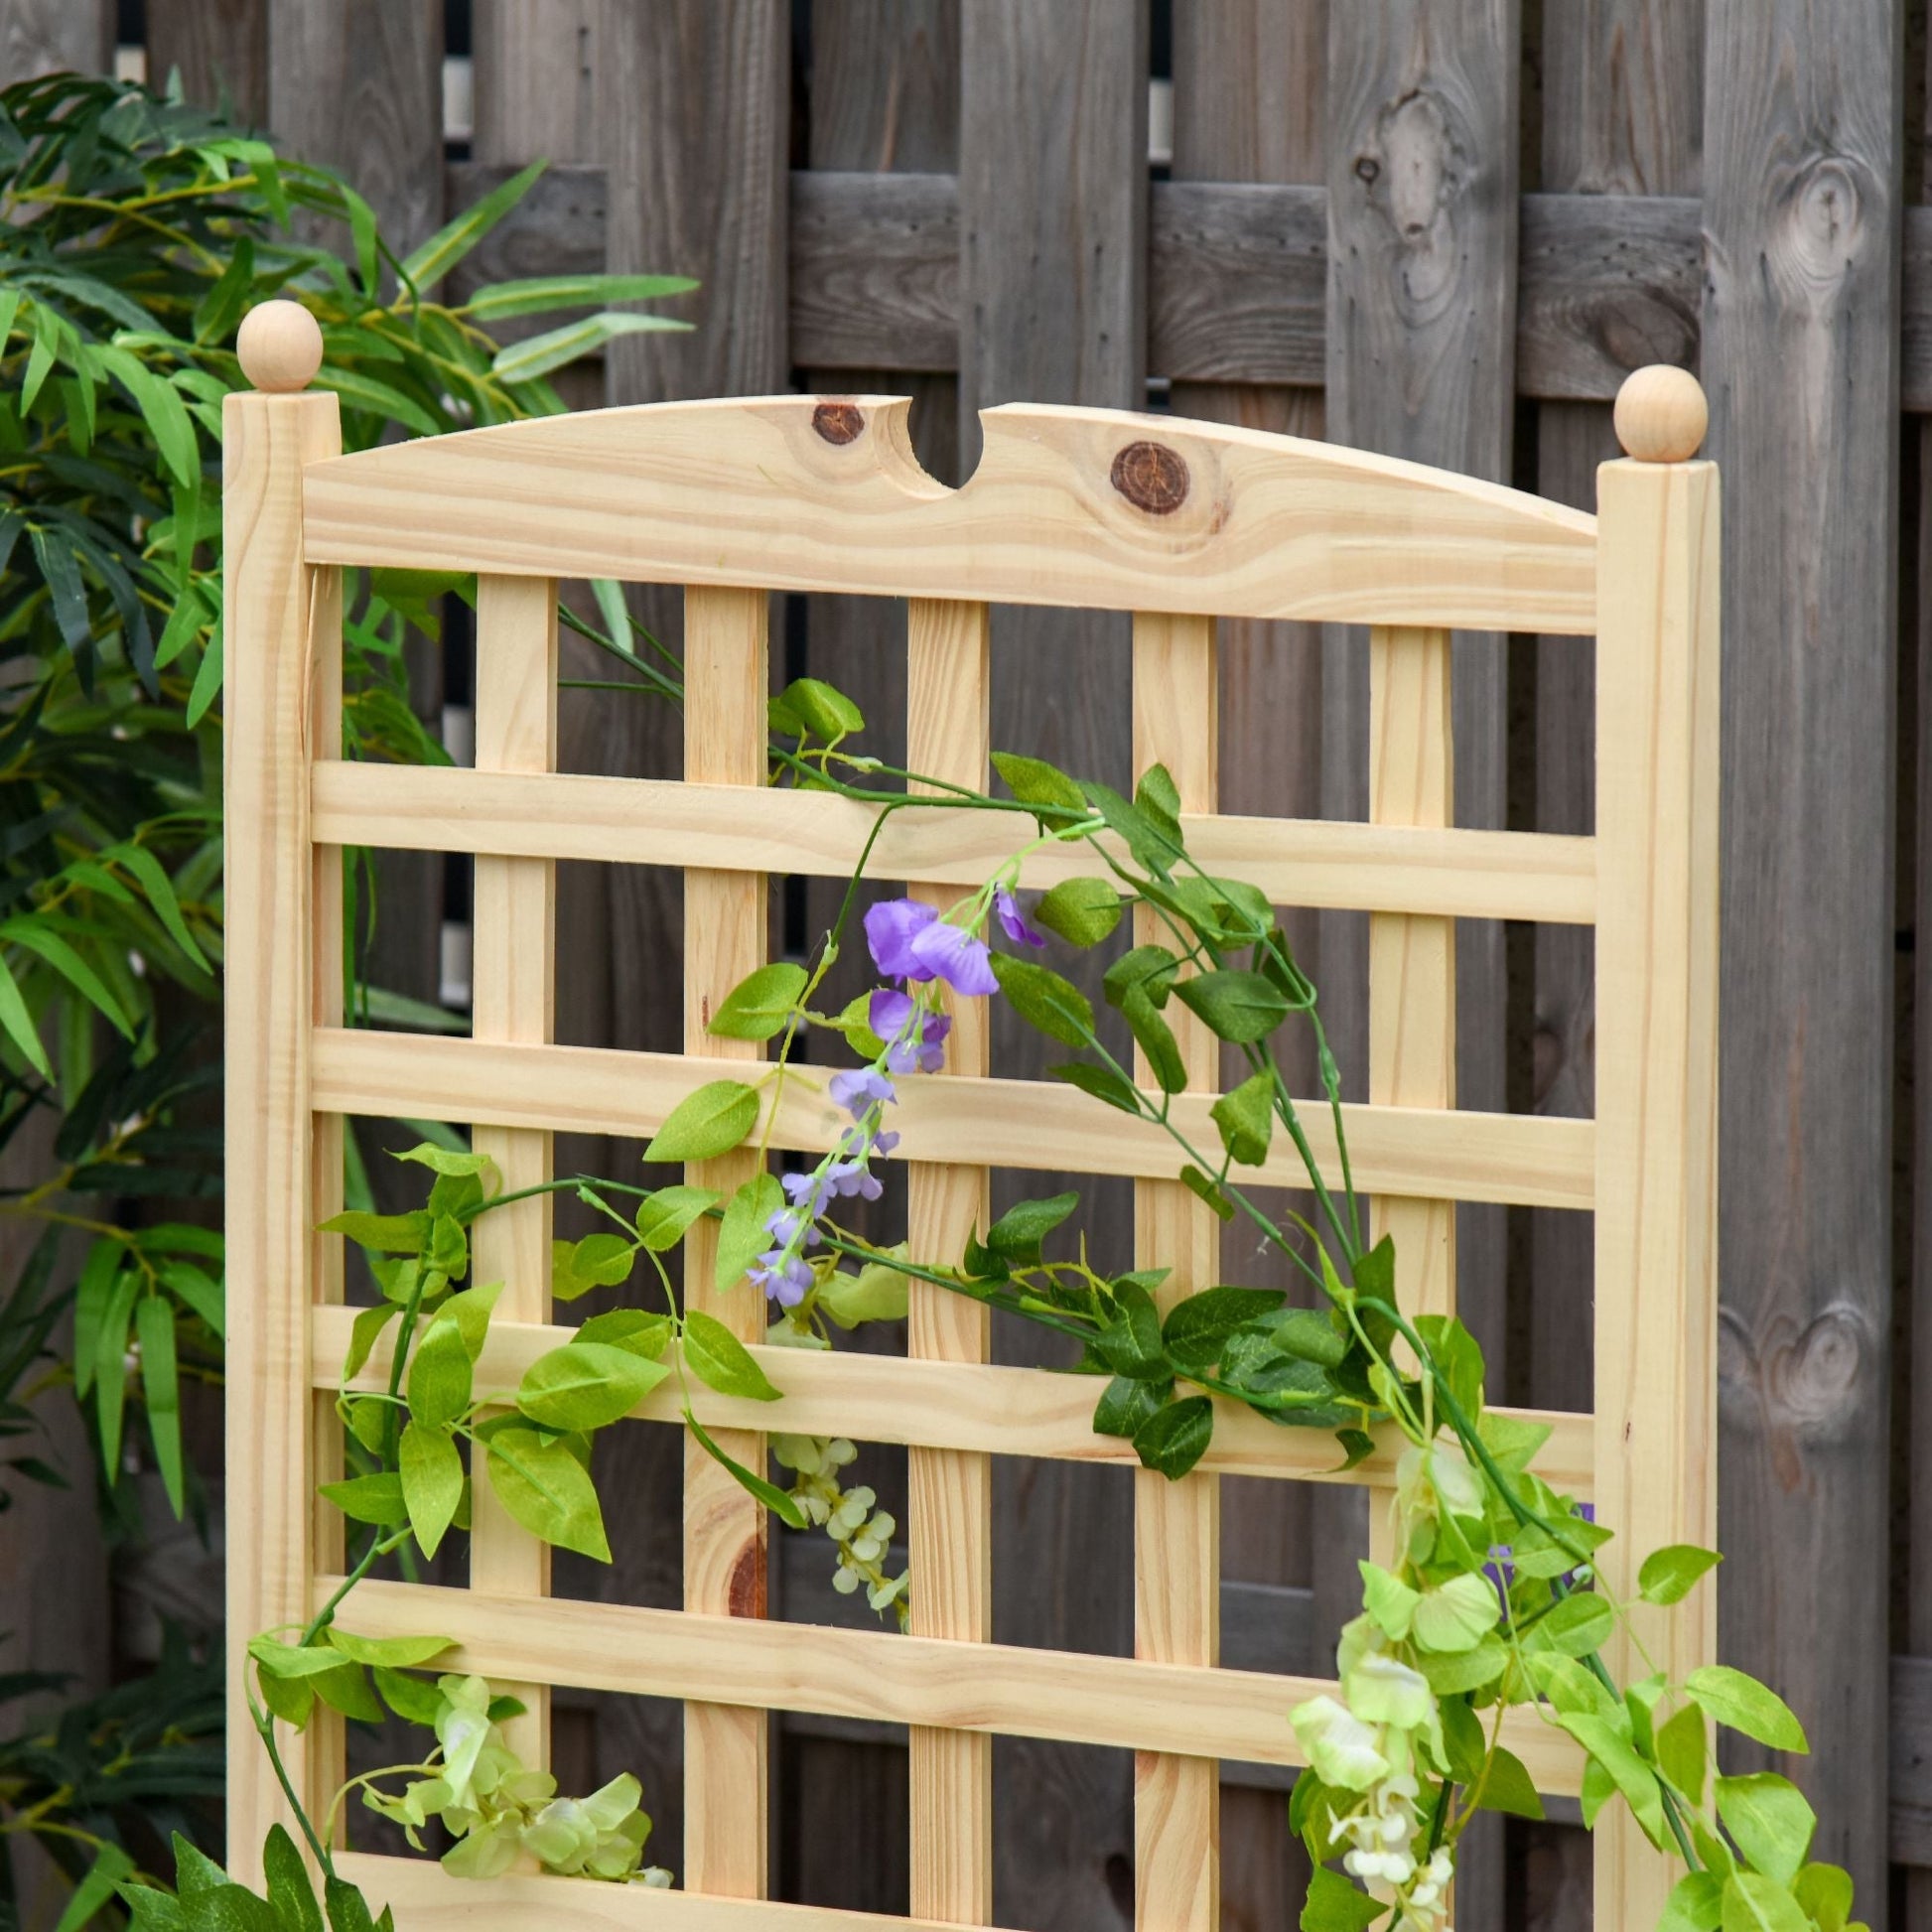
x=1656 y=1219
x=1178 y=1525
x=725 y=1835
x=950 y=1519
x=274 y=605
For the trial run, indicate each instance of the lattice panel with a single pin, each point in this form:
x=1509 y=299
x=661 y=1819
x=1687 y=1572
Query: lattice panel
x=1067 y=508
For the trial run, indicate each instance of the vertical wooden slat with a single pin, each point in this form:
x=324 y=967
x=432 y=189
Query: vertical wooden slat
x=1178 y=1525
x=950 y=1519
x=724 y=1528
x=1800 y=359
x=1422 y=130
x=220 y=48
x=45 y=36
x=1053 y=199
x=1656 y=1218
x=533 y=86
x=513 y=987
x=270 y=603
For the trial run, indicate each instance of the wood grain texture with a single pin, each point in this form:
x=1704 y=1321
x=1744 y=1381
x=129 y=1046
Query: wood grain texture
x=46 y=36
x=1014 y=1690
x=1077 y=506
x=1298 y=862
x=972 y=1408
x=725 y=1747
x=534 y=89
x=1178 y=1525
x=271 y=599
x=873 y=267
x=513 y=998
x=221 y=49
x=1422 y=306
x=1463 y=1155
x=1656 y=1226
x=950 y=1533
x=360 y=83
x=1801 y=277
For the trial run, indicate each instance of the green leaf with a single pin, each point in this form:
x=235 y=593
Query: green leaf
x=630 y=1330
x=1083 y=912
x=1174 y=1438
x=598 y=1261
x=663 y=1218
x=208 y=682
x=1018 y=1233
x=586 y=1385
x=743 y=1235
x=1034 y=782
x=432 y=1481
x=1246 y=1118
x=288 y=1660
x=1458 y=1614
x=1155 y=1039
x=364 y=1333
x=347 y=1688
x=758 y=1005
x=1825 y=1894
x=1684 y=1751
x=451 y=1163
x=1334 y=1905
x=396 y=1653
x=19 y=1024
x=1512 y=1442
x=434 y=259
x=1389 y=1602
x=49 y=946
x=160 y=890
x=1577 y=1625
x=111 y=1865
x=1150 y=971
x=373 y=1499
x=1197 y=1327
x=1145 y=837
x=879 y=1291
x=1453 y=1672
x=1131 y=1344
x=823 y=710
x=470 y=1311
x=1631 y=1775
x=1238 y=1007
x=1756 y=1903
x=781 y=1502
x=1743 y=1704
x=1209 y=1189
x=1041 y=998
x=1508 y=1787
x=1101 y=1083
x=706 y=1123
x=1696 y=1904
x=1669 y=1575
x=539 y=355
x=546 y=1489
x=110 y=1367
x=93 y=1297
x=439 y=1375
x=721 y=1362
x=1458 y=1358
x=1769 y=1820
x=1127 y=1402
x=387 y=1234
x=410 y=1697
x=154 y=1327
x=536 y=295
x=290 y=1895
x=291 y=1699
x=360 y=391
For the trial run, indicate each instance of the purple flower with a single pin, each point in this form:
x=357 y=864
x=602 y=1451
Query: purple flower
x=1018 y=928
x=952 y=953
x=850 y=1177
x=889 y=1011
x=791 y=1226
x=891 y=928
x=883 y=1144
x=858 y=1089
x=783 y=1278
x=810 y=1192
x=926 y=1053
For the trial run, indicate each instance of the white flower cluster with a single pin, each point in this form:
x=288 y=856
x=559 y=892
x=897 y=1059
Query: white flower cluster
x=501 y=1811
x=861 y=1533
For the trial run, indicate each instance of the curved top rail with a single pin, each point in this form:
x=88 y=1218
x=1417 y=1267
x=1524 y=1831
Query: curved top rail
x=1096 y=509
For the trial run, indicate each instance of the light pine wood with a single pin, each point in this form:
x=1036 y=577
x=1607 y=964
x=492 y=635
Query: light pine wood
x=1299 y=861
x=513 y=998
x=279 y=344
x=950 y=1531
x=725 y=1747
x=1178 y=1525
x=967 y=1407
x=272 y=606
x=757 y=492
x=1656 y=1083
x=1009 y=1690
x=1037 y=1125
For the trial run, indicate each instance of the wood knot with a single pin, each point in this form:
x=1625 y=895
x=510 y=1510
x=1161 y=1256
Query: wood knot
x=838 y=421
x=1151 y=476
x=746 y=1596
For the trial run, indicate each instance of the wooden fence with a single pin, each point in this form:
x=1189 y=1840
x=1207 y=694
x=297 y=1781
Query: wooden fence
x=1441 y=228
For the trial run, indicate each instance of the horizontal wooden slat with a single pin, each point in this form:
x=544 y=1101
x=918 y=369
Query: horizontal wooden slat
x=1522 y=1158
x=958 y=1406
x=644 y=821
x=1094 y=509
x=875 y=271
x=1194 y=1711
x=427 y=1900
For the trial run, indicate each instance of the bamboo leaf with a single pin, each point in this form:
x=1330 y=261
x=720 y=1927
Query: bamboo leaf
x=154 y=1327
x=428 y=264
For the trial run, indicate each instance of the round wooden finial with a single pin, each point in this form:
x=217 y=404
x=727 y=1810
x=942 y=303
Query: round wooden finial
x=280 y=346
x=1661 y=414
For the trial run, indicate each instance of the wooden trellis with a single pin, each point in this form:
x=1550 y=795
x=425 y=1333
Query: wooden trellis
x=1180 y=523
